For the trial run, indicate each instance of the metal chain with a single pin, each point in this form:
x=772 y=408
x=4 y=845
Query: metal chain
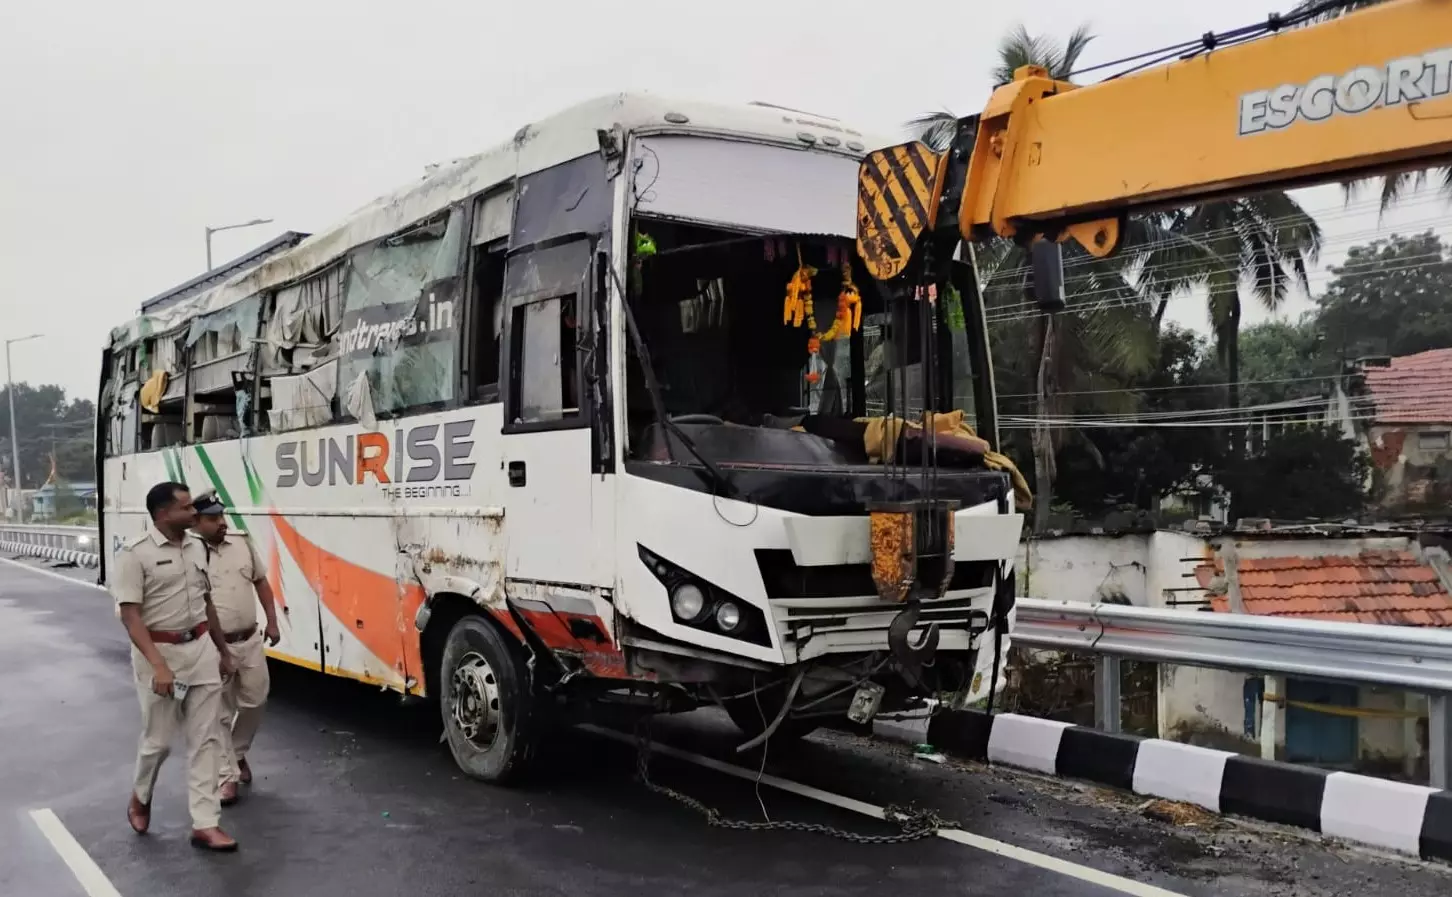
x=915 y=824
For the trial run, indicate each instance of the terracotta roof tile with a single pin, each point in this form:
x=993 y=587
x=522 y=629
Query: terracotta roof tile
x=1391 y=588
x=1413 y=389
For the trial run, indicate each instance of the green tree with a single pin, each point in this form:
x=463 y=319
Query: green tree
x=66 y=503
x=1261 y=244
x=1394 y=186
x=46 y=420
x=1138 y=466
x=1108 y=336
x=1281 y=360
x=1389 y=298
x=1258 y=245
x=1301 y=473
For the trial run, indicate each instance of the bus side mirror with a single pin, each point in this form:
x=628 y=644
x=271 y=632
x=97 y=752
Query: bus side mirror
x=1046 y=278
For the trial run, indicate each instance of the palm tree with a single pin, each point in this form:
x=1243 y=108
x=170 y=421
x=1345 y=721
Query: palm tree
x=1262 y=242
x=1393 y=186
x=1111 y=338
x=1265 y=240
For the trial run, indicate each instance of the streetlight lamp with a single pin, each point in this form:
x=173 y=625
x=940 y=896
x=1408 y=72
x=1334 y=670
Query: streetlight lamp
x=14 y=443
x=213 y=230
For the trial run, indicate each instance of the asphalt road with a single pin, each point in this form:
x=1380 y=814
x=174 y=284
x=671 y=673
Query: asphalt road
x=355 y=797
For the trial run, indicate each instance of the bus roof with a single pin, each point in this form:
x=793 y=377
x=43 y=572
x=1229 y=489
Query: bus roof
x=559 y=138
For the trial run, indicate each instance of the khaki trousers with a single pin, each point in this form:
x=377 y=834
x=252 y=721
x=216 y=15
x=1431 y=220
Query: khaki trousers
x=243 y=698
x=195 y=716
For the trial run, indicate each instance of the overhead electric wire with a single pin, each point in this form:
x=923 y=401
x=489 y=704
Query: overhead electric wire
x=1029 y=423
x=1196 y=270
x=1135 y=299
x=1353 y=209
x=1211 y=40
x=1136 y=389
x=1137 y=269
x=1129 y=294
x=1380 y=406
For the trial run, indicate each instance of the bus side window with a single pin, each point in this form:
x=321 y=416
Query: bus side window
x=488 y=321
x=296 y=386
x=544 y=365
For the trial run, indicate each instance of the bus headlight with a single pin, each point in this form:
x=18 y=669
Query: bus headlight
x=688 y=600
x=728 y=617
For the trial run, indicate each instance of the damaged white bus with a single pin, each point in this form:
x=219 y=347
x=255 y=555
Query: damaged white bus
x=610 y=412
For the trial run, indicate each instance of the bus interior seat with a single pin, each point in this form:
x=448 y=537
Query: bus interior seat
x=219 y=426
x=165 y=433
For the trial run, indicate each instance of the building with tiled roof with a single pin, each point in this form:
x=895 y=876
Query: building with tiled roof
x=1405 y=415
x=1393 y=586
x=1412 y=389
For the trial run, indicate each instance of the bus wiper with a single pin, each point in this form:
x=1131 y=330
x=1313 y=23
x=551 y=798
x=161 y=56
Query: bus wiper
x=652 y=386
x=722 y=482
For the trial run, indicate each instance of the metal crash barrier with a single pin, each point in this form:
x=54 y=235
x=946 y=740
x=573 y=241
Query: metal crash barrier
x=1404 y=657
x=68 y=544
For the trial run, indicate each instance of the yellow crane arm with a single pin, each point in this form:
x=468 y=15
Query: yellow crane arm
x=1367 y=93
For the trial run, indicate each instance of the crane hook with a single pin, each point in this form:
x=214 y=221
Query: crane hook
x=911 y=657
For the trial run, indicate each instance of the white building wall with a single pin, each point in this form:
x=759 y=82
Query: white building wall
x=1092 y=569
x=1200 y=706
x=1169 y=568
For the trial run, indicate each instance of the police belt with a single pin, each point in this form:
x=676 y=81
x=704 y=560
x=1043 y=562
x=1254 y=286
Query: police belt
x=233 y=638
x=179 y=638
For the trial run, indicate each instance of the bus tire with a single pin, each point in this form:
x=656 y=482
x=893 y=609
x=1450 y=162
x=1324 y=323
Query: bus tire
x=753 y=718
x=489 y=714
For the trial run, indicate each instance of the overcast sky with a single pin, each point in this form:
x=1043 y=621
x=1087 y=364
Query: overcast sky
x=127 y=128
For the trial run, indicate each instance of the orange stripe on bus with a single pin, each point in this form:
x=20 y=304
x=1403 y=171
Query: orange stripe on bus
x=274 y=574
x=377 y=609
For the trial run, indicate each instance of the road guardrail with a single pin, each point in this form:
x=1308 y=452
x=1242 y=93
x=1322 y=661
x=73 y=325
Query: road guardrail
x=70 y=544
x=1415 y=659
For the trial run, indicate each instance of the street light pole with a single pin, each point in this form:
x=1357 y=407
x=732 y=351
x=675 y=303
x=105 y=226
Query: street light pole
x=14 y=443
x=213 y=230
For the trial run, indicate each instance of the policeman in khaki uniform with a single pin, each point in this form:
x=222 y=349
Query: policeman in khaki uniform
x=239 y=579
x=179 y=658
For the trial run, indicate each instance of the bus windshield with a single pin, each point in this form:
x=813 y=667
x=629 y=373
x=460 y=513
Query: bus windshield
x=734 y=369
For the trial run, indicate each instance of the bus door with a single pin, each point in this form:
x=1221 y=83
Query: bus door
x=557 y=517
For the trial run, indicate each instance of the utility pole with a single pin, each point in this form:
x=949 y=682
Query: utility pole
x=14 y=442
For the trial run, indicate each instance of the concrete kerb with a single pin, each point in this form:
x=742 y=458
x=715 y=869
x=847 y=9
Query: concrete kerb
x=1409 y=819
x=65 y=555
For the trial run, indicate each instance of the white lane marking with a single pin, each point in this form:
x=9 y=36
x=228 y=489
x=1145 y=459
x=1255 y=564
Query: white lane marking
x=989 y=845
x=91 y=878
x=44 y=572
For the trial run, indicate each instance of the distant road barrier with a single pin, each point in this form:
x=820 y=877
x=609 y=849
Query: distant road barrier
x=71 y=544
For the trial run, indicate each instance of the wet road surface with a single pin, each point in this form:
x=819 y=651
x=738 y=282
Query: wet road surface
x=355 y=796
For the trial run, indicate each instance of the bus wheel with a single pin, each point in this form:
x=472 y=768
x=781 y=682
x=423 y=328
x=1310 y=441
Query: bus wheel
x=489 y=714
x=752 y=717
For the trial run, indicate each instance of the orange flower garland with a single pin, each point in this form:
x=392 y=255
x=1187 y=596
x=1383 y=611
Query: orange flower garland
x=799 y=307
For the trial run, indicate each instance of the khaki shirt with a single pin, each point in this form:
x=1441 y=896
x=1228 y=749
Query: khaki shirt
x=234 y=567
x=169 y=581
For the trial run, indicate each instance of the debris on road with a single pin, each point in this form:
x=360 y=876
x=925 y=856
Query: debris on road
x=1177 y=813
x=928 y=753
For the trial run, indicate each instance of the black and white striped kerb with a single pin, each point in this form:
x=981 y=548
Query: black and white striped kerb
x=1410 y=819
x=81 y=558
